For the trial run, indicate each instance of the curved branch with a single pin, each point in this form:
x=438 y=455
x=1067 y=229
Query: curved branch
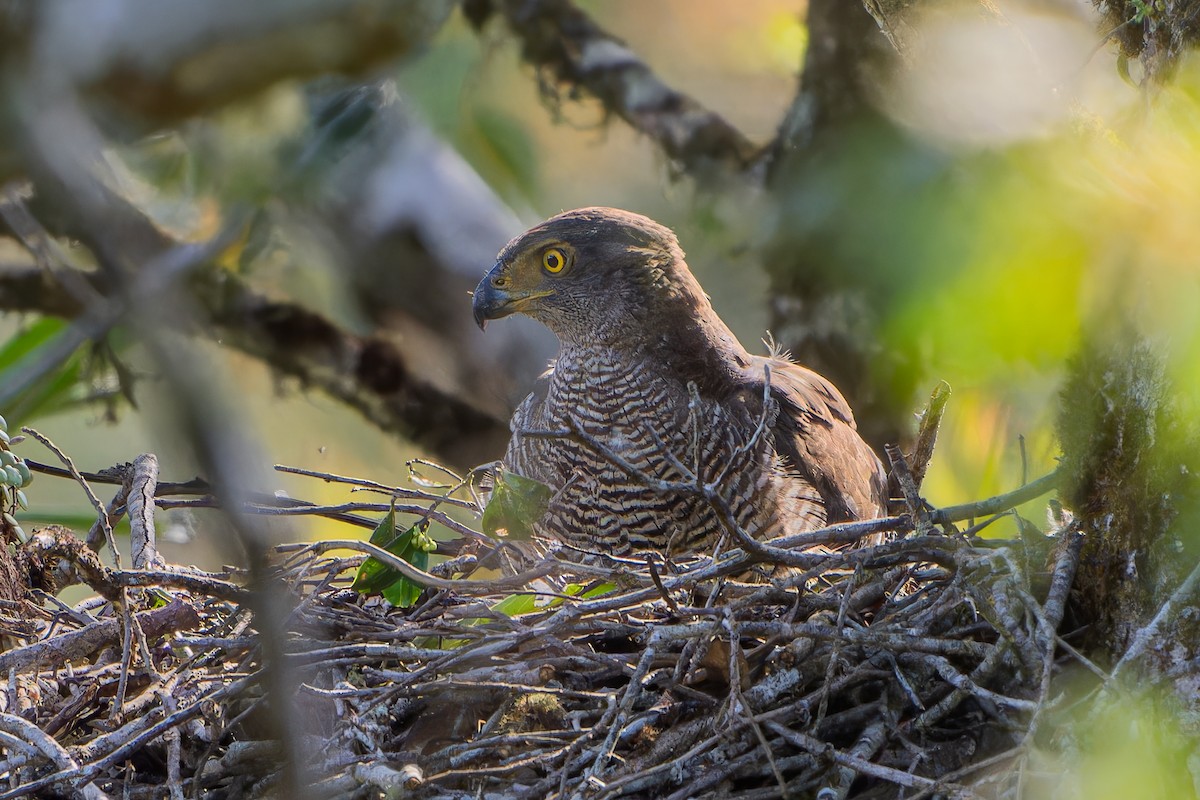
x=367 y=373
x=160 y=62
x=564 y=42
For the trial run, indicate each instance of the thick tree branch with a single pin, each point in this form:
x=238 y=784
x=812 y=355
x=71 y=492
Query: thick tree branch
x=154 y=63
x=565 y=43
x=844 y=47
x=1158 y=34
x=368 y=373
x=413 y=228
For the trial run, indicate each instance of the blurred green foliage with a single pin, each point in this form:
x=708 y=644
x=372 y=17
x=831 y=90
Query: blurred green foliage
x=984 y=267
x=447 y=86
x=53 y=391
x=57 y=377
x=1127 y=743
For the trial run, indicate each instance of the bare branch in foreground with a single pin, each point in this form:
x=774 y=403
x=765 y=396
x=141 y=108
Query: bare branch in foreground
x=157 y=66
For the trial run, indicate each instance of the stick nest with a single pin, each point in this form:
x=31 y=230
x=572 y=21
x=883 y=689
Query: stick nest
x=907 y=668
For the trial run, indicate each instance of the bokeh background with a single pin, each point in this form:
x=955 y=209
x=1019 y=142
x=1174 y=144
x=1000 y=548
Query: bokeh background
x=992 y=184
x=1017 y=184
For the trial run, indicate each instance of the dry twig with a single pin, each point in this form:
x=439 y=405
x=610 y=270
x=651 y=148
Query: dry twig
x=814 y=679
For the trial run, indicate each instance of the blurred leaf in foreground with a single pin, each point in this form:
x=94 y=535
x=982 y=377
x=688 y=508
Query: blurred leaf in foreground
x=58 y=388
x=1131 y=746
x=501 y=148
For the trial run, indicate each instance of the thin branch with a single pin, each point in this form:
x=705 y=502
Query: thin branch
x=101 y=511
x=72 y=646
x=994 y=505
x=29 y=734
x=861 y=765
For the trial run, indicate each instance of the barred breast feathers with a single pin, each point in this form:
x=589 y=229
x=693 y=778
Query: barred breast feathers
x=652 y=391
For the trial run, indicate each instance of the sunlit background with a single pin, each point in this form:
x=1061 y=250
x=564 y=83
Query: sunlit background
x=1041 y=189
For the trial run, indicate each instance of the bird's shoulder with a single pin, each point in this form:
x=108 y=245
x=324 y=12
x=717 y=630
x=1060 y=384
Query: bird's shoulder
x=799 y=391
x=815 y=432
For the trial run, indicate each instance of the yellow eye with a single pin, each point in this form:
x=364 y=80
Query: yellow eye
x=553 y=260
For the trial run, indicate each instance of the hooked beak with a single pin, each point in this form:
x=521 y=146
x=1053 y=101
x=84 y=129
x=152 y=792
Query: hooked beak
x=491 y=302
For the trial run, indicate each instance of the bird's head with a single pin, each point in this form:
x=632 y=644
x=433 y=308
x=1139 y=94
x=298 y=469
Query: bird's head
x=590 y=275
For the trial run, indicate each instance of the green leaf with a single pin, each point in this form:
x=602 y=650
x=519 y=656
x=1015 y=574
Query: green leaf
x=1123 y=69
x=515 y=605
x=412 y=545
x=589 y=591
x=403 y=593
x=53 y=391
x=516 y=503
x=29 y=340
